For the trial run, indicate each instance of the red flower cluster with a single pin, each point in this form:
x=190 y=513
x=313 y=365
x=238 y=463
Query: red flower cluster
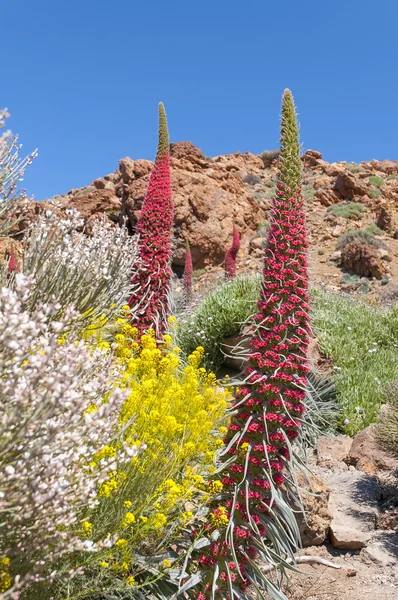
x=12 y=263
x=231 y=254
x=152 y=281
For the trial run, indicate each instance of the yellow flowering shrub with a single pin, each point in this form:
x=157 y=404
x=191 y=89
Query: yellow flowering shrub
x=174 y=411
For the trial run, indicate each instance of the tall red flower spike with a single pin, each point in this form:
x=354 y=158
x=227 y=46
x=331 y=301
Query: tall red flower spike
x=154 y=227
x=231 y=254
x=252 y=511
x=188 y=270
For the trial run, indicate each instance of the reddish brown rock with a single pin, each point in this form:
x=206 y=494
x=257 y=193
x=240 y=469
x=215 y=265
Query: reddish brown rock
x=326 y=197
x=185 y=150
x=363 y=259
x=332 y=450
x=314 y=523
x=385 y=166
x=347 y=186
x=365 y=454
x=384 y=219
x=311 y=158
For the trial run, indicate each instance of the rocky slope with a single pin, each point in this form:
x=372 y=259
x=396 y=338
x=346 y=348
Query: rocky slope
x=211 y=194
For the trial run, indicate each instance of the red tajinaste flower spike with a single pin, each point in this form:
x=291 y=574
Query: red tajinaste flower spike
x=271 y=403
x=154 y=227
x=188 y=270
x=231 y=254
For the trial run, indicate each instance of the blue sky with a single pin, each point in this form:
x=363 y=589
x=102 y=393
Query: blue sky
x=82 y=79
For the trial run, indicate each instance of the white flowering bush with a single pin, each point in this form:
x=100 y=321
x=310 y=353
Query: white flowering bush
x=59 y=406
x=12 y=168
x=92 y=273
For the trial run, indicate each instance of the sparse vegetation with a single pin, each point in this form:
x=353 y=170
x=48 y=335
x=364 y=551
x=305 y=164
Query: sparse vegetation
x=251 y=179
x=391 y=177
x=374 y=229
x=362 y=235
x=354 y=167
x=268 y=157
x=348 y=210
x=308 y=191
x=374 y=192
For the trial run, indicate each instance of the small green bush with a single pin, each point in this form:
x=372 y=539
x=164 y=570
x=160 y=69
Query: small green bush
x=391 y=177
x=361 y=235
x=374 y=229
x=268 y=157
x=251 y=179
x=354 y=167
x=85 y=190
x=374 y=192
x=349 y=278
x=309 y=192
x=270 y=183
x=387 y=427
x=220 y=315
x=375 y=180
x=348 y=210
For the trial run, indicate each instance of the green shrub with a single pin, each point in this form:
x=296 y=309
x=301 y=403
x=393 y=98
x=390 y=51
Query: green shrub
x=309 y=192
x=270 y=183
x=85 y=190
x=374 y=229
x=347 y=209
x=363 y=344
x=387 y=427
x=375 y=180
x=361 y=235
x=374 y=192
x=219 y=315
x=251 y=179
x=354 y=167
x=391 y=177
x=268 y=157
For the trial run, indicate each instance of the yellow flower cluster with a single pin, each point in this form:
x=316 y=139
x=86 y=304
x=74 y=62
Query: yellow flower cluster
x=5 y=577
x=218 y=517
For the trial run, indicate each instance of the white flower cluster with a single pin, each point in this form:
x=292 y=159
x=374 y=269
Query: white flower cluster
x=59 y=405
x=92 y=272
x=12 y=168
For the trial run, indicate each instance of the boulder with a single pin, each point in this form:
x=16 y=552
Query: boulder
x=384 y=219
x=235 y=349
x=383 y=550
x=332 y=450
x=365 y=454
x=326 y=197
x=185 y=150
x=353 y=505
x=347 y=186
x=314 y=522
x=363 y=259
x=388 y=167
x=311 y=158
